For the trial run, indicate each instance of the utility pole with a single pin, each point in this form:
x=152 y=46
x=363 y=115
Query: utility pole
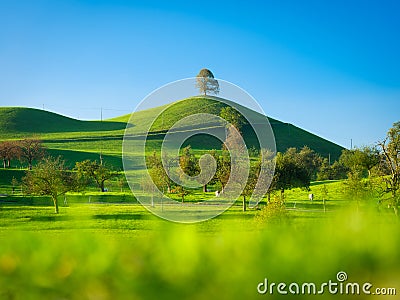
x=101 y=143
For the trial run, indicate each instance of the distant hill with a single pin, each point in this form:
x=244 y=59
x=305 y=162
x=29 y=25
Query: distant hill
x=20 y=120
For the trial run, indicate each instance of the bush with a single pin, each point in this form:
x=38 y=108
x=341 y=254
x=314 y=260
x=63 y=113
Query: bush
x=273 y=212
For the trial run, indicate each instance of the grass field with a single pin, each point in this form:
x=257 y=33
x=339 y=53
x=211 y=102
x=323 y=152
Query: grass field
x=121 y=251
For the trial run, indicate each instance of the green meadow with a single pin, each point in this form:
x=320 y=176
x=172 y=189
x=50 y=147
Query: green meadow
x=108 y=246
x=105 y=249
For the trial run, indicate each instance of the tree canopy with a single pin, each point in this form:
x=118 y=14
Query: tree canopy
x=31 y=149
x=92 y=170
x=206 y=83
x=233 y=117
x=50 y=177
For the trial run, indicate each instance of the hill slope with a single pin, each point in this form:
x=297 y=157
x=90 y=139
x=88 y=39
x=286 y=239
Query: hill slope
x=19 y=120
x=77 y=140
x=286 y=135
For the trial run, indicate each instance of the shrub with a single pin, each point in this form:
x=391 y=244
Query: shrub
x=273 y=212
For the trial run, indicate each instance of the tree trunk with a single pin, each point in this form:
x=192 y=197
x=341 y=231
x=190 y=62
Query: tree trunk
x=205 y=188
x=102 y=186
x=395 y=203
x=282 y=195
x=4 y=163
x=244 y=203
x=269 y=197
x=30 y=165
x=55 y=201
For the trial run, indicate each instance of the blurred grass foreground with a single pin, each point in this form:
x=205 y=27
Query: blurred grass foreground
x=141 y=257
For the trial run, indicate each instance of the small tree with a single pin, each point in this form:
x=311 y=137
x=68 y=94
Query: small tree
x=50 y=177
x=206 y=167
x=93 y=171
x=289 y=173
x=355 y=187
x=369 y=158
x=160 y=173
x=181 y=192
x=188 y=162
x=30 y=150
x=121 y=182
x=324 y=192
x=273 y=213
x=390 y=160
x=8 y=151
x=250 y=185
x=223 y=168
x=266 y=161
x=206 y=83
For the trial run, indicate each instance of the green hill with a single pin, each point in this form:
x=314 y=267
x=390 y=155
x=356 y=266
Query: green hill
x=21 y=120
x=286 y=135
x=78 y=140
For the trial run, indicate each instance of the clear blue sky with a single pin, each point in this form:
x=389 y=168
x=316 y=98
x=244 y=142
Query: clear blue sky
x=330 y=67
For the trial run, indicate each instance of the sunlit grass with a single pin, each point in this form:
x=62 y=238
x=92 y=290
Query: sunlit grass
x=107 y=248
x=97 y=251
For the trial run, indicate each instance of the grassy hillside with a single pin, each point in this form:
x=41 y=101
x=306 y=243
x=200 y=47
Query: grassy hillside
x=78 y=140
x=21 y=120
x=286 y=135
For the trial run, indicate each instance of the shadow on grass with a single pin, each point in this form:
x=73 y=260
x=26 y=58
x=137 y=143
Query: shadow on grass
x=121 y=217
x=315 y=183
x=25 y=201
x=235 y=216
x=49 y=218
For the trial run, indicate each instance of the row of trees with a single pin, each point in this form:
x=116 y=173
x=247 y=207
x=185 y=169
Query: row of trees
x=374 y=169
x=294 y=168
x=26 y=151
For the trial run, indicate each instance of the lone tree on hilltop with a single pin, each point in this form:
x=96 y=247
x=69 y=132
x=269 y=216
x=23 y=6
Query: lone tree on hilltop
x=206 y=83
